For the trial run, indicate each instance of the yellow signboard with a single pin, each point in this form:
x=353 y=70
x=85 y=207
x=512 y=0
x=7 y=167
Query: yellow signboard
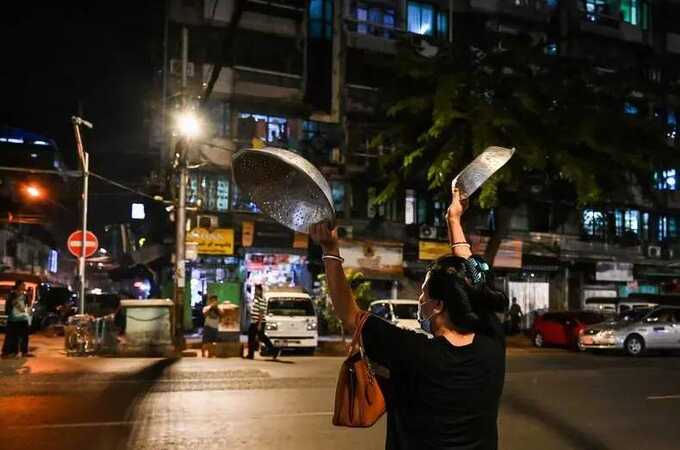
x=219 y=241
x=431 y=250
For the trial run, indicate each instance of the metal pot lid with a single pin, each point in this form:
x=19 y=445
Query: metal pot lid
x=284 y=186
x=478 y=171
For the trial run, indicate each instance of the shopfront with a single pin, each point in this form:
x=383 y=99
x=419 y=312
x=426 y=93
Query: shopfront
x=272 y=256
x=212 y=269
x=381 y=262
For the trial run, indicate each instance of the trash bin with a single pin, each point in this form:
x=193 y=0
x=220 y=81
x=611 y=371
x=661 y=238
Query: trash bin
x=148 y=327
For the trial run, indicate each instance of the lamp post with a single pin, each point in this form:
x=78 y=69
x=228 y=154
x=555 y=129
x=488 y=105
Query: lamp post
x=189 y=127
x=85 y=163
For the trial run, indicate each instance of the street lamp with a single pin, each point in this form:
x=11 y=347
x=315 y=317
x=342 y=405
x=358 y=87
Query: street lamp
x=188 y=124
x=33 y=191
x=189 y=127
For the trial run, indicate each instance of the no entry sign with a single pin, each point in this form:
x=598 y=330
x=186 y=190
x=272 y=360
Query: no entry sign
x=75 y=243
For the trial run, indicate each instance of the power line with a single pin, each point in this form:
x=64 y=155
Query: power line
x=121 y=186
x=75 y=174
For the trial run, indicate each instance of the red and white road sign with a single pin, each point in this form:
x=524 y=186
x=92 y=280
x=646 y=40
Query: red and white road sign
x=75 y=243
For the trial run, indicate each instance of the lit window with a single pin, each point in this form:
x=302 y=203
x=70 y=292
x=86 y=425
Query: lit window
x=410 y=207
x=593 y=223
x=338 y=194
x=665 y=180
x=271 y=129
x=667 y=228
x=672 y=127
x=361 y=14
x=321 y=19
x=222 y=194
x=442 y=25
x=645 y=226
x=420 y=18
x=374 y=19
x=138 y=212
x=635 y=12
x=551 y=49
x=630 y=108
x=627 y=221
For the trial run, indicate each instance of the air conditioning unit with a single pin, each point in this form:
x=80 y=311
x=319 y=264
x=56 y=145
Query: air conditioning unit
x=345 y=231
x=176 y=67
x=654 y=251
x=428 y=232
x=208 y=222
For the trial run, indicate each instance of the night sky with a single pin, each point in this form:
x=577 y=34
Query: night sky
x=101 y=54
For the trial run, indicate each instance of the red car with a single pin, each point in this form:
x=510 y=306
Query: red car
x=562 y=328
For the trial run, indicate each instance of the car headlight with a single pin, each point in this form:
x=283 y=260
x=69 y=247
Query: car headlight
x=607 y=333
x=272 y=326
x=311 y=326
x=581 y=332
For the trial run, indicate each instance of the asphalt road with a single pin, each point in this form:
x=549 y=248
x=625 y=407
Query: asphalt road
x=553 y=400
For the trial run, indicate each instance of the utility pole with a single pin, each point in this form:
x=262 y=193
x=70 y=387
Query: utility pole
x=85 y=163
x=180 y=210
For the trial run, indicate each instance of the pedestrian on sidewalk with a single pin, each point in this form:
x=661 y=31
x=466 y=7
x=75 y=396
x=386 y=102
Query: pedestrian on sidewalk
x=211 y=313
x=258 y=326
x=515 y=317
x=442 y=392
x=18 y=321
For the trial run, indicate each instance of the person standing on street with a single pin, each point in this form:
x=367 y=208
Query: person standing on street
x=515 y=316
x=18 y=320
x=442 y=392
x=258 y=326
x=211 y=313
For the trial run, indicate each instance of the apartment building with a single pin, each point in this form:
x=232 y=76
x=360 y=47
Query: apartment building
x=304 y=75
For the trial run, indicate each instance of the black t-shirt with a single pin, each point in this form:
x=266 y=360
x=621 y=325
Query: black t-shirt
x=439 y=396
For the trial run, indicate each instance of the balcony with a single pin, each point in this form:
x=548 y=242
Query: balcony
x=274 y=17
x=249 y=82
x=568 y=246
x=608 y=20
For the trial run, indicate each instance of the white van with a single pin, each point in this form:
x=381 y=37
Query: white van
x=291 y=320
x=403 y=313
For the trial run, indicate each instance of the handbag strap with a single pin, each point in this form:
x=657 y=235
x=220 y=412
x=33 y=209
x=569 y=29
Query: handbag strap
x=357 y=339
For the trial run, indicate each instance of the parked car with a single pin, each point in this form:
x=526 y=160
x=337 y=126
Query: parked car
x=562 y=328
x=403 y=313
x=54 y=305
x=618 y=305
x=291 y=321
x=636 y=331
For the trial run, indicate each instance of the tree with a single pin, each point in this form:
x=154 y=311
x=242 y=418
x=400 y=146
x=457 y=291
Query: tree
x=572 y=123
x=361 y=290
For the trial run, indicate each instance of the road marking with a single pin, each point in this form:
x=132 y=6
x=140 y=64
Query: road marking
x=663 y=397
x=134 y=422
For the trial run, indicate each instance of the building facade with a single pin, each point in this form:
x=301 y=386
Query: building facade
x=305 y=75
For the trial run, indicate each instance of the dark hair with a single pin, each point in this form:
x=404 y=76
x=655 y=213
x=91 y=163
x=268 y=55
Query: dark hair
x=212 y=297
x=466 y=287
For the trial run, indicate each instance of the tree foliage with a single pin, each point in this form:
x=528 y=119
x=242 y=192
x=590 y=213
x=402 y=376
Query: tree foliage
x=566 y=118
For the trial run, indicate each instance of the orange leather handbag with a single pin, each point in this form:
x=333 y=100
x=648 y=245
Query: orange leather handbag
x=359 y=402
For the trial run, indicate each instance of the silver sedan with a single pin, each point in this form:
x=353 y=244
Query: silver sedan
x=635 y=332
